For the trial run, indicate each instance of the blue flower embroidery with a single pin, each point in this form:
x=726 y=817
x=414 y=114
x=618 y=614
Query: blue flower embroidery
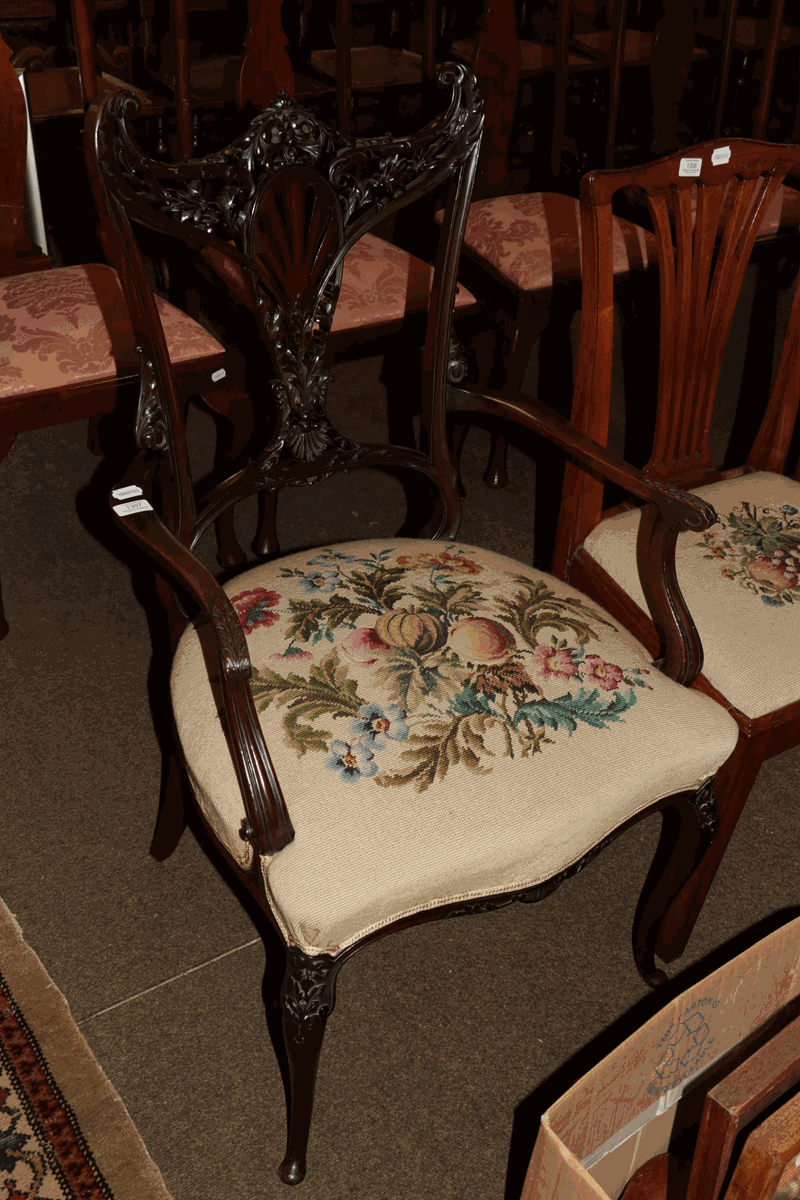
x=787 y=508
x=377 y=724
x=324 y=581
x=771 y=600
x=352 y=762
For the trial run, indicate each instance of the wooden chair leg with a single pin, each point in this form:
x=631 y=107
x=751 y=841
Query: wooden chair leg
x=6 y=443
x=732 y=786
x=532 y=318
x=267 y=537
x=688 y=826
x=307 y=1000
x=171 y=819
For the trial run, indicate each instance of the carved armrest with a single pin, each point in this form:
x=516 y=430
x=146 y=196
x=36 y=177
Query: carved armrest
x=668 y=512
x=267 y=826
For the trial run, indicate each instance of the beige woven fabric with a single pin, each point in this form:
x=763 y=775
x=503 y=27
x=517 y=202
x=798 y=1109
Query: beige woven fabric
x=446 y=723
x=740 y=581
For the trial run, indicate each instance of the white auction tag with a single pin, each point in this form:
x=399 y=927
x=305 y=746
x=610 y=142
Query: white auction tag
x=217 y=375
x=721 y=155
x=690 y=166
x=126 y=493
x=132 y=506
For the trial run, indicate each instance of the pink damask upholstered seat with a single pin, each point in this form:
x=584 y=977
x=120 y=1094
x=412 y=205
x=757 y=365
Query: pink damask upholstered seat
x=66 y=347
x=381 y=284
x=67 y=330
x=533 y=241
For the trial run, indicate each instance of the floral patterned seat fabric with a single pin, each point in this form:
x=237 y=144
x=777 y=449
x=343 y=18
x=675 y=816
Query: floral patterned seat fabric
x=740 y=580
x=69 y=328
x=445 y=723
x=535 y=240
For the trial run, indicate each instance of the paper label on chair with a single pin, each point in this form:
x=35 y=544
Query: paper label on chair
x=217 y=375
x=126 y=493
x=721 y=155
x=690 y=166
x=132 y=506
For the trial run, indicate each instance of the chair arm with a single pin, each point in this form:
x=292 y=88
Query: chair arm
x=268 y=826
x=669 y=512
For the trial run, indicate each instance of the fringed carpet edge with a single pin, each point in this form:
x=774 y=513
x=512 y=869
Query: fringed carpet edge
x=106 y=1129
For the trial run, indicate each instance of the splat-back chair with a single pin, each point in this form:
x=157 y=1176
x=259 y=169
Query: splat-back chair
x=357 y=67
x=360 y=701
x=254 y=75
x=760 y=38
x=65 y=91
x=18 y=253
x=66 y=347
x=740 y=576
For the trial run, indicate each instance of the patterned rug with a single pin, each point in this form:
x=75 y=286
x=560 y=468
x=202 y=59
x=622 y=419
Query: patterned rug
x=64 y=1132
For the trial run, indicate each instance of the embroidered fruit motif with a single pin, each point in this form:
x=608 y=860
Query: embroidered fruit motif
x=777 y=571
x=479 y=640
x=399 y=667
x=760 y=550
x=412 y=631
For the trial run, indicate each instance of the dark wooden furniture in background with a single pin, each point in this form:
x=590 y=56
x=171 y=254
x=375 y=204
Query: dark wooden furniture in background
x=17 y=250
x=288 y=225
x=699 y=282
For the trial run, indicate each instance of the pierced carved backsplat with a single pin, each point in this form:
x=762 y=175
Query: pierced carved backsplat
x=284 y=203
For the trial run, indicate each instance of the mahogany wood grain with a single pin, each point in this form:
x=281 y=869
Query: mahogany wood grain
x=767 y=1153
x=706 y=230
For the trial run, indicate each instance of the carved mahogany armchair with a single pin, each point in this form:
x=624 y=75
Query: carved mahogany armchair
x=387 y=731
x=740 y=576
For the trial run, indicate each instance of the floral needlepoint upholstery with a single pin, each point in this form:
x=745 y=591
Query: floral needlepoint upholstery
x=740 y=581
x=70 y=326
x=435 y=713
x=534 y=240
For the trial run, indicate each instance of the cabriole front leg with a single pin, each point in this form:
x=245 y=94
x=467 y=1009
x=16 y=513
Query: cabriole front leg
x=689 y=825
x=307 y=1000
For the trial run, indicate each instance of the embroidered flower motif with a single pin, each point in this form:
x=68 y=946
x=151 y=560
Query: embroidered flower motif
x=455 y=665
x=293 y=652
x=376 y=724
x=760 y=549
x=352 y=762
x=606 y=675
x=479 y=640
x=363 y=646
x=555 y=664
x=253 y=608
x=324 y=581
x=445 y=561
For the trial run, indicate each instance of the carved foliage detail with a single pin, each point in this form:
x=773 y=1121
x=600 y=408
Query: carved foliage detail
x=308 y=991
x=231 y=639
x=705 y=806
x=150 y=428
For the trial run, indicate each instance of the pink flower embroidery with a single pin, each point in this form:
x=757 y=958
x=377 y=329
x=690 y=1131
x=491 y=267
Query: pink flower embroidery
x=363 y=646
x=605 y=675
x=254 y=606
x=555 y=664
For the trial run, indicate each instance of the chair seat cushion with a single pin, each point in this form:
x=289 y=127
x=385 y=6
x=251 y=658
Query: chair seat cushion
x=740 y=581
x=373 y=66
x=69 y=328
x=534 y=57
x=380 y=284
x=446 y=723
x=533 y=240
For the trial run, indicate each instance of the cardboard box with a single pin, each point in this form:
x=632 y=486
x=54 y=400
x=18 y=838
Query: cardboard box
x=633 y=1103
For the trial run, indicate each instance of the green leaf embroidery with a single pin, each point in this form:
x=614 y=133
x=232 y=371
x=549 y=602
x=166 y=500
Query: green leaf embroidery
x=328 y=690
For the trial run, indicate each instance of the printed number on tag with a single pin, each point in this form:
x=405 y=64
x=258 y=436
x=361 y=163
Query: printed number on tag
x=690 y=166
x=217 y=375
x=126 y=493
x=721 y=155
x=132 y=506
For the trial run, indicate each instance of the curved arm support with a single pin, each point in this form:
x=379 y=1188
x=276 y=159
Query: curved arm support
x=268 y=826
x=668 y=513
